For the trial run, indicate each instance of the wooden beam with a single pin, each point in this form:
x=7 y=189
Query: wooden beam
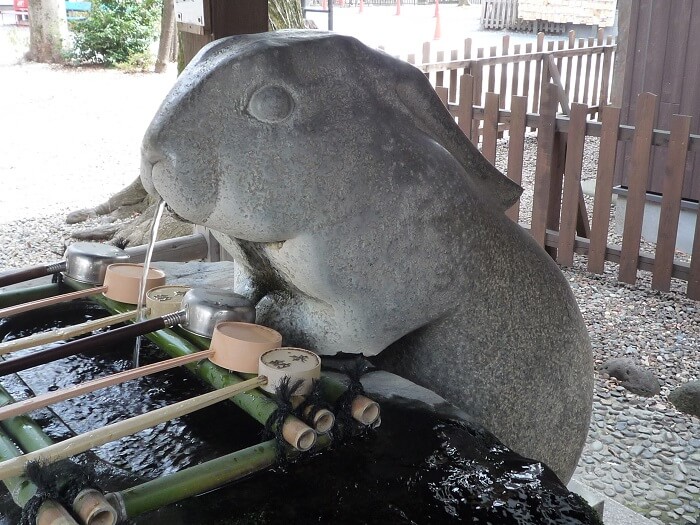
x=681 y=270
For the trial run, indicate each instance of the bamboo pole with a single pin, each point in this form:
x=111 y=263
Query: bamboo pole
x=25 y=431
x=61 y=334
x=195 y=480
x=94 y=438
x=151 y=495
x=53 y=513
x=56 y=396
x=48 y=301
x=19 y=487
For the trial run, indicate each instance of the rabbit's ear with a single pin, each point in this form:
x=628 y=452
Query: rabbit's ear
x=418 y=101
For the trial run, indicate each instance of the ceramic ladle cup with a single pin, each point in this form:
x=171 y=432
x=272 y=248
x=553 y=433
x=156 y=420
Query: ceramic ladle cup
x=202 y=309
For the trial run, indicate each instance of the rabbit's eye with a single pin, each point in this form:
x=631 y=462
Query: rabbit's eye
x=271 y=104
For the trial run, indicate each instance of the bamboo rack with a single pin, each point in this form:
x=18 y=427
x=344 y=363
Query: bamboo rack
x=255 y=403
x=83 y=442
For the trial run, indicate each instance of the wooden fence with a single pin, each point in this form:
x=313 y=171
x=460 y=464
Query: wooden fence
x=581 y=68
x=559 y=218
x=500 y=14
x=503 y=14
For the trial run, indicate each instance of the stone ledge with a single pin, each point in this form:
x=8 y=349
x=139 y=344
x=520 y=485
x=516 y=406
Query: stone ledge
x=614 y=513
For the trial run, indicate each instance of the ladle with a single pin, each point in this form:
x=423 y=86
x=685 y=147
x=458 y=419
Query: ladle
x=61 y=334
x=85 y=261
x=202 y=309
x=293 y=430
x=225 y=354
x=121 y=283
x=160 y=300
x=230 y=352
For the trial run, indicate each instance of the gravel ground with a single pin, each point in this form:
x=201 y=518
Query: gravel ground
x=76 y=143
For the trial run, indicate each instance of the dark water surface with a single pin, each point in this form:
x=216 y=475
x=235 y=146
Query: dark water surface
x=415 y=468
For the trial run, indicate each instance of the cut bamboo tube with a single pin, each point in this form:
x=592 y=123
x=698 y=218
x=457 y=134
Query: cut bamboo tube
x=61 y=334
x=56 y=299
x=82 y=442
x=363 y=410
x=322 y=420
x=52 y=513
x=92 y=508
x=50 y=398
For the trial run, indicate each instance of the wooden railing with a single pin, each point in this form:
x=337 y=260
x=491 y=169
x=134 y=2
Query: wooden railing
x=503 y=14
x=559 y=220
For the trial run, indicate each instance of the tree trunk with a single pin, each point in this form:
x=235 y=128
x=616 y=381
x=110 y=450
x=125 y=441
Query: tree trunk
x=167 y=32
x=48 y=30
x=285 y=14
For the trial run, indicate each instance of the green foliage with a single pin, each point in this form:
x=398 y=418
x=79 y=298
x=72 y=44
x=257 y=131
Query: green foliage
x=138 y=63
x=115 y=31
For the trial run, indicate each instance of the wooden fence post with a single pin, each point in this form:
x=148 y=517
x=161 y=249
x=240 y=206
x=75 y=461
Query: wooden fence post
x=693 y=289
x=637 y=186
x=544 y=164
x=505 y=50
x=603 y=189
x=671 y=202
x=465 y=110
x=535 y=108
x=478 y=73
x=572 y=184
x=516 y=147
x=490 y=130
x=454 y=76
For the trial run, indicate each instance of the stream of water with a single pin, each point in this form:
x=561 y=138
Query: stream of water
x=140 y=305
